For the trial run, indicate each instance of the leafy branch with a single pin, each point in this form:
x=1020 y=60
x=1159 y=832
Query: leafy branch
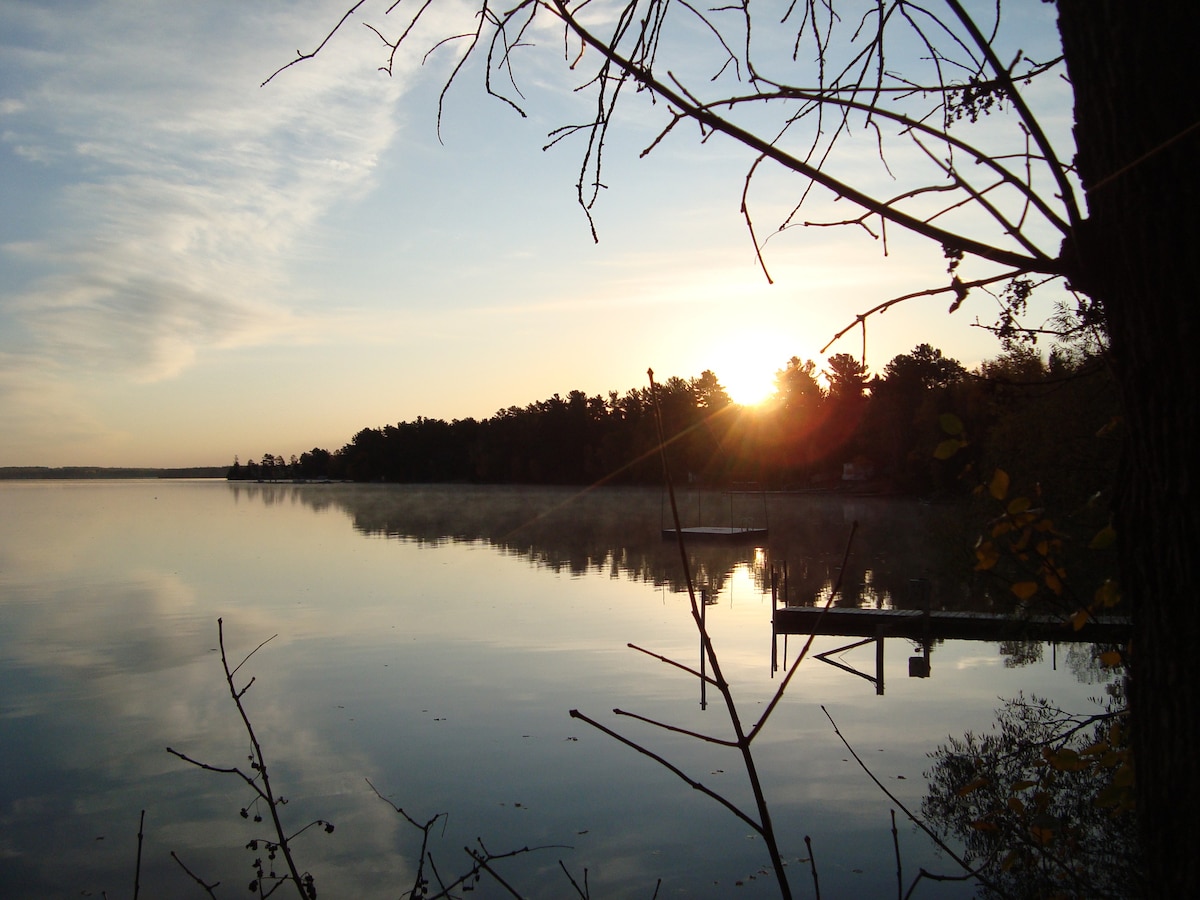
x=267 y=880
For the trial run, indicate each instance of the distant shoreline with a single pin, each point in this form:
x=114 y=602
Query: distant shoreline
x=32 y=473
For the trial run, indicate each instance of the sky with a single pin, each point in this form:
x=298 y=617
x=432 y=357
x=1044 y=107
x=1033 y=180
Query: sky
x=195 y=266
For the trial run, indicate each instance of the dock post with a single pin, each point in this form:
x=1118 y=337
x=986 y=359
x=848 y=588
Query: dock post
x=774 y=608
x=879 y=630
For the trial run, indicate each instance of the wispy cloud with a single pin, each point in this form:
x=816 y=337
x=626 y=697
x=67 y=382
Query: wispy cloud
x=180 y=187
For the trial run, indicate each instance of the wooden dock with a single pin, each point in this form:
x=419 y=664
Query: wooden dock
x=918 y=624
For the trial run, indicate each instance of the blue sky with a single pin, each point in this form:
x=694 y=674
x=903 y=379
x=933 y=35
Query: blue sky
x=193 y=266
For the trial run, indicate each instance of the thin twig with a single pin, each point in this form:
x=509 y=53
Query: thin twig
x=208 y=888
x=300 y=57
x=812 y=864
x=899 y=866
x=904 y=809
x=672 y=662
x=691 y=782
x=137 y=871
x=708 y=739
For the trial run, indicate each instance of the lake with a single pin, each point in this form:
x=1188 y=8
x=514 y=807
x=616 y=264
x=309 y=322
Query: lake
x=432 y=640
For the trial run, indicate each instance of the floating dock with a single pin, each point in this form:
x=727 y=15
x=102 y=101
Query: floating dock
x=717 y=533
x=917 y=624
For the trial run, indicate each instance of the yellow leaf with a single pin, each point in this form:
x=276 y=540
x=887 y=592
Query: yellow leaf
x=1053 y=582
x=1103 y=539
x=972 y=786
x=951 y=424
x=999 y=484
x=948 y=448
x=1015 y=804
x=1066 y=760
x=1110 y=658
x=1108 y=594
x=1024 y=589
x=1080 y=619
x=987 y=556
x=981 y=825
x=1018 y=505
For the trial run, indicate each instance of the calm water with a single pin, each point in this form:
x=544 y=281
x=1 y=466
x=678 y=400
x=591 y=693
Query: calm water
x=433 y=640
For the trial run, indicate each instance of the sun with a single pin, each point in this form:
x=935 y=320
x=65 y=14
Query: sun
x=748 y=386
x=745 y=363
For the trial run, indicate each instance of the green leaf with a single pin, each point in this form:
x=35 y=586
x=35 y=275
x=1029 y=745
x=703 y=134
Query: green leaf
x=951 y=424
x=948 y=448
x=1104 y=538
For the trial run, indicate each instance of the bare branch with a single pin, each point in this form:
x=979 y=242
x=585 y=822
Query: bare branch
x=205 y=886
x=671 y=662
x=929 y=292
x=709 y=119
x=301 y=57
x=670 y=767
x=708 y=739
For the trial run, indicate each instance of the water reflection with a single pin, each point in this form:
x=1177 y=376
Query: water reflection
x=618 y=532
x=433 y=639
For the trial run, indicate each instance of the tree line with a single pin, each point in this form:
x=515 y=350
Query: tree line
x=836 y=428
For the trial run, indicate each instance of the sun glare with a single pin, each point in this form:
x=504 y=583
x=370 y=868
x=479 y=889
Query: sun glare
x=745 y=362
x=749 y=383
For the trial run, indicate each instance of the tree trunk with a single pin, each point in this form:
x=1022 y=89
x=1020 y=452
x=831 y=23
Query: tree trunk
x=1134 y=71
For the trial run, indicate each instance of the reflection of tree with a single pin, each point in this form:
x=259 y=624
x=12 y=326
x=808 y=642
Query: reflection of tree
x=1020 y=653
x=1043 y=806
x=617 y=531
x=1086 y=663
